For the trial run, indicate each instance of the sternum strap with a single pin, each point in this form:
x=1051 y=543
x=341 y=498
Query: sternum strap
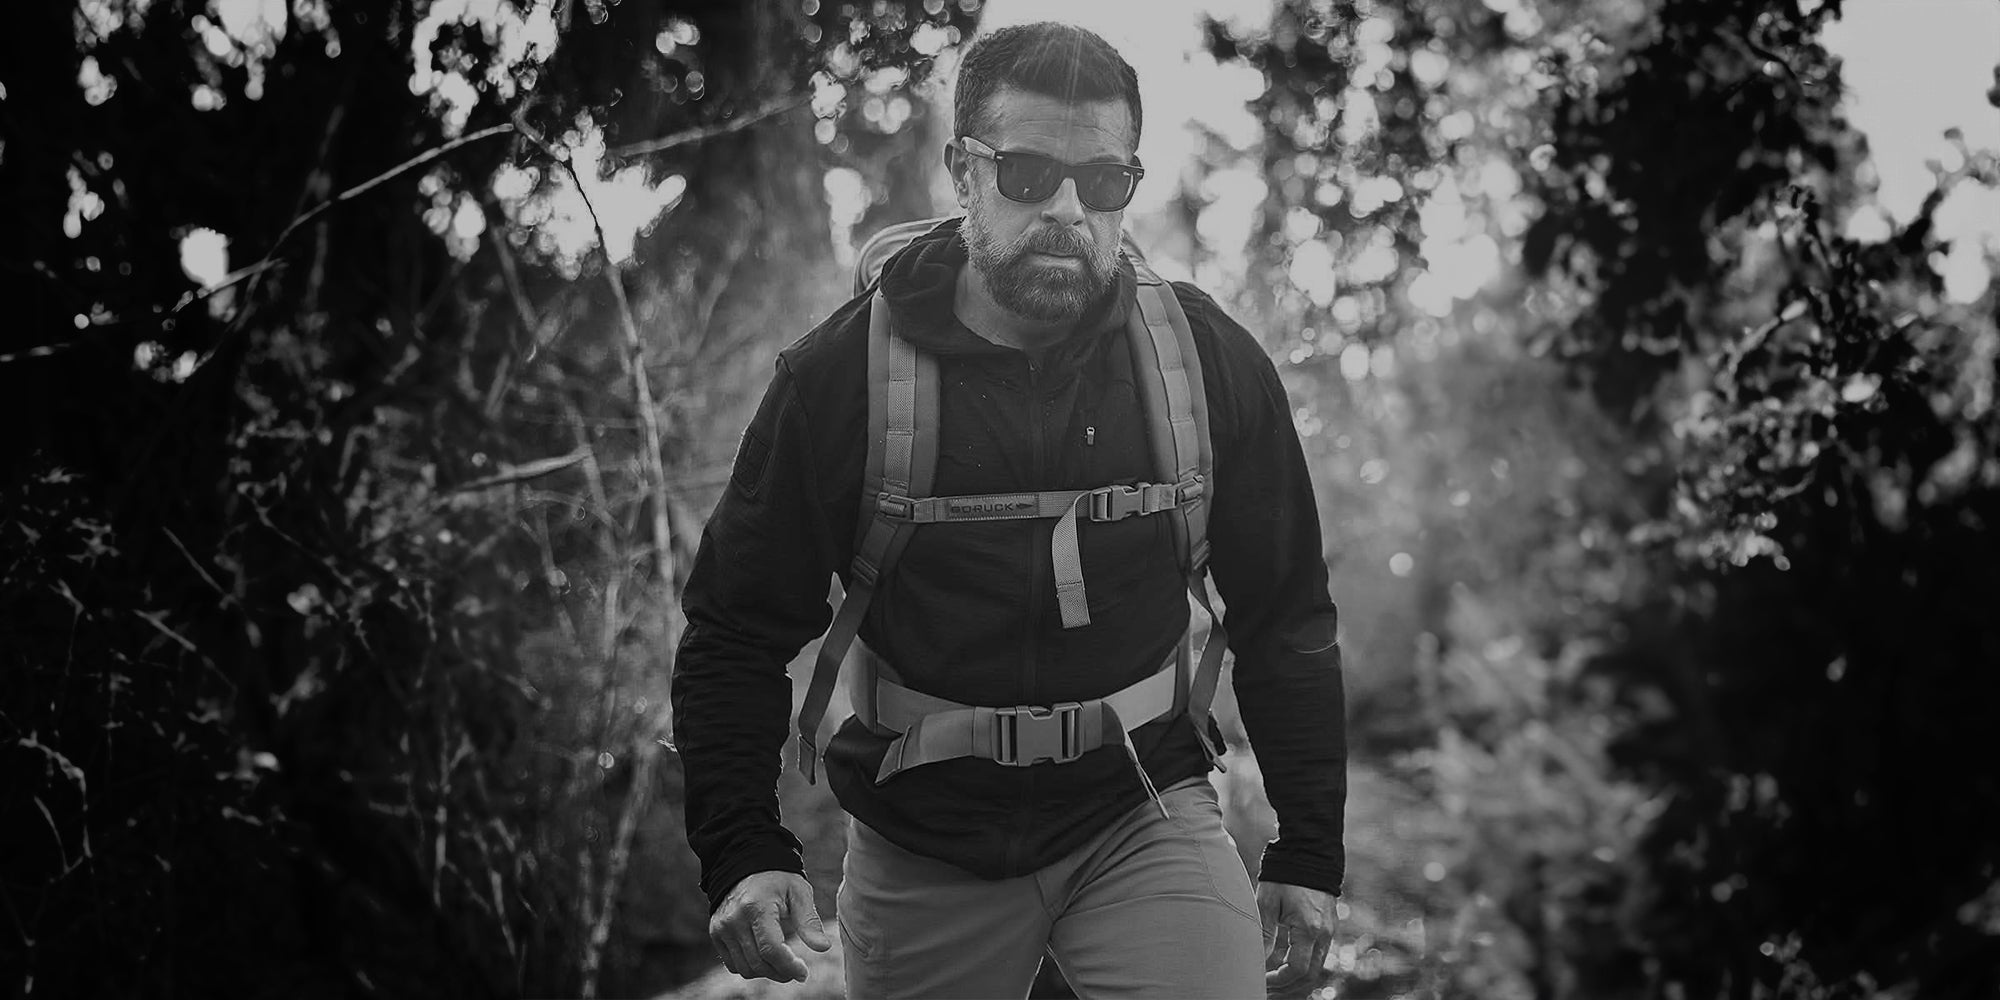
x=1108 y=503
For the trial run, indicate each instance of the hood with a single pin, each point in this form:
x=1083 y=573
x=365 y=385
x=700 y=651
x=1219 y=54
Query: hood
x=921 y=281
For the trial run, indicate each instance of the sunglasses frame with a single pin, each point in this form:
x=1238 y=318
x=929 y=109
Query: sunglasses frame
x=1070 y=171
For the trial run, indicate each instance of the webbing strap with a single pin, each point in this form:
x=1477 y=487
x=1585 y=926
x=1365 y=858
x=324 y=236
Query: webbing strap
x=1106 y=503
x=1207 y=672
x=902 y=455
x=1067 y=559
x=896 y=707
x=933 y=729
x=826 y=671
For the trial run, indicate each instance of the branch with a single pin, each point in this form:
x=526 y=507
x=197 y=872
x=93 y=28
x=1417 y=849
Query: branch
x=371 y=183
x=638 y=798
x=42 y=351
x=227 y=280
x=519 y=473
x=255 y=271
x=192 y=561
x=777 y=106
x=654 y=472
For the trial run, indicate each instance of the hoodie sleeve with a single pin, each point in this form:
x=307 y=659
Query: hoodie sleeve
x=756 y=595
x=1266 y=557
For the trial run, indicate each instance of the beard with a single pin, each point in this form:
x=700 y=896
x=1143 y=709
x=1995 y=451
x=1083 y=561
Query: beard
x=1034 y=290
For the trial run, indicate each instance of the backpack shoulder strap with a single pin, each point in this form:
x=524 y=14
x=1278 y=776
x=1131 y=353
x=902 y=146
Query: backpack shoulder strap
x=902 y=460
x=1167 y=369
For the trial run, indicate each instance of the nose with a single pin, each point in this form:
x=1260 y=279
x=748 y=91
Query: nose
x=1064 y=207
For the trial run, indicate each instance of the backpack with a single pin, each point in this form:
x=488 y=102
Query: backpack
x=896 y=483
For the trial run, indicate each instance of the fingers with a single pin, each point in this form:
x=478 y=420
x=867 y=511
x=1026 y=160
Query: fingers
x=1322 y=945
x=748 y=932
x=1304 y=949
x=1296 y=975
x=723 y=936
x=1269 y=914
x=1274 y=953
x=803 y=916
x=777 y=961
x=752 y=946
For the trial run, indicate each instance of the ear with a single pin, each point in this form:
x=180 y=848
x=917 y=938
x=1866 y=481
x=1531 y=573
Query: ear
x=958 y=164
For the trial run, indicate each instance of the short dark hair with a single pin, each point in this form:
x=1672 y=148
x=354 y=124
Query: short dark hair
x=1048 y=58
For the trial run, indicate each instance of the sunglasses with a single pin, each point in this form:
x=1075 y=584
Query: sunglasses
x=1032 y=177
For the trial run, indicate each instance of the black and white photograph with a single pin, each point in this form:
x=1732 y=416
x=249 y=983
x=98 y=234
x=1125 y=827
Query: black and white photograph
x=1126 y=499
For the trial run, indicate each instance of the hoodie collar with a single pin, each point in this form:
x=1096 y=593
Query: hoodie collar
x=920 y=283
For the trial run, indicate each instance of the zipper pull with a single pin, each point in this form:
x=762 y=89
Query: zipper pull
x=1089 y=436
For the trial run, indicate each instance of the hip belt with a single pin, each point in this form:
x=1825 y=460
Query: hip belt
x=931 y=729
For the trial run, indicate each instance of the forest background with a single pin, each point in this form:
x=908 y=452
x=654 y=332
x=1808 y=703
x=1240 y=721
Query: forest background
x=353 y=468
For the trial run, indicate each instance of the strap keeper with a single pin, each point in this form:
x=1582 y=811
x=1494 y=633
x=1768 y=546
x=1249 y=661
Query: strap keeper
x=1191 y=489
x=1207 y=745
x=808 y=759
x=863 y=572
x=896 y=508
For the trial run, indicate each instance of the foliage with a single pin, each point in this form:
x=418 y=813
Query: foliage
x=1774 y=547
x=336 y=589
x=1822 y=841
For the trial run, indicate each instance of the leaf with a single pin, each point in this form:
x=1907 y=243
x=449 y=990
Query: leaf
x=1860 y=388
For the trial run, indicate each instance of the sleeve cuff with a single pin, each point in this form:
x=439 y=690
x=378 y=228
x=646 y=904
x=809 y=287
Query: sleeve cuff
x=768 y=855
x=1311 y=870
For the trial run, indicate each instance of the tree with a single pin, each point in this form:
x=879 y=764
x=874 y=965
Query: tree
x=334 y=587
x=1765 y=578
x=1831 y=517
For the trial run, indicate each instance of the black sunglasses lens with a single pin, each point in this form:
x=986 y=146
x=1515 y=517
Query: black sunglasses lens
x=1030 y=177
x=1106 y=187
x=1027 y=177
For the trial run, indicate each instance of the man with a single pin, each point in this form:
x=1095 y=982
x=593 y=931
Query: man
x=961 y=873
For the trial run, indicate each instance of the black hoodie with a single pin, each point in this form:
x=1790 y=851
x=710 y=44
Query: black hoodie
x=969 y=612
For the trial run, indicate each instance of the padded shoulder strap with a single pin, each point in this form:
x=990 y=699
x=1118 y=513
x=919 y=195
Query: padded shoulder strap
x=1168 y=371
x=902 y=459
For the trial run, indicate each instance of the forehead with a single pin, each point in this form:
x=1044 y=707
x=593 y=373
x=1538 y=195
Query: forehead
x=1072 y=130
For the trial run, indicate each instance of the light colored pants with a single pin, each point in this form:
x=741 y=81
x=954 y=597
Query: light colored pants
x=1151 y=907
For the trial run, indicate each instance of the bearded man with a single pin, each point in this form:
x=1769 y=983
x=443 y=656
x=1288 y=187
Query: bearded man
x=1107 y=854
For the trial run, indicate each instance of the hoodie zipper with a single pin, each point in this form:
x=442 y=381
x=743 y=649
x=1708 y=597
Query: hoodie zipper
x=1036 y=551
x=1037 y=569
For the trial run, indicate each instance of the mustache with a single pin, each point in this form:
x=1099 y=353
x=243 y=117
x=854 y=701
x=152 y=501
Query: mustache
x=1053 y=241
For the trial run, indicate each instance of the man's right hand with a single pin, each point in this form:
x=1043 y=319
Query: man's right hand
x=750 y=927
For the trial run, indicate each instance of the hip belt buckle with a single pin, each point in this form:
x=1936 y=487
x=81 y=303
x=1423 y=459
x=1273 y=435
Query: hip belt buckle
x=1030 y=734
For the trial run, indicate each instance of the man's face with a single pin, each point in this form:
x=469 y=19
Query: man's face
x=1046 y=261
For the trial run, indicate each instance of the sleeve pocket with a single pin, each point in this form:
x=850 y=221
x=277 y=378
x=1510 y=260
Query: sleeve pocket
x=753 y=460
x=1316 y=634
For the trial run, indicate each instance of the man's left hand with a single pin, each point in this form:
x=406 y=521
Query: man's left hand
x=1298 y=930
